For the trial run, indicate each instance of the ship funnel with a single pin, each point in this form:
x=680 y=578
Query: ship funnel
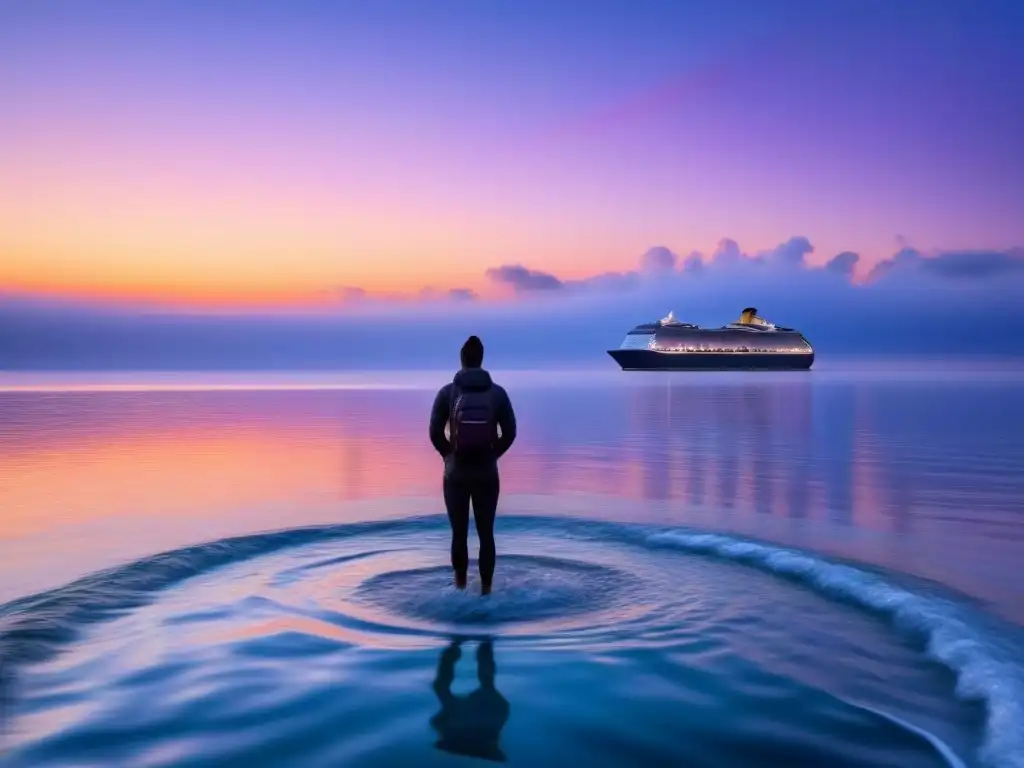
x=749 y=317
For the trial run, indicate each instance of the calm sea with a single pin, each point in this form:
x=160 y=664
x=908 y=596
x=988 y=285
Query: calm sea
x=720 y=569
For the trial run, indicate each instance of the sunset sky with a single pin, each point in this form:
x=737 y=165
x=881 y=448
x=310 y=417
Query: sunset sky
x=231 y=153
x=485 y=163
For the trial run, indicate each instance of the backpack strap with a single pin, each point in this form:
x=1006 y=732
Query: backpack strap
x=453 y=398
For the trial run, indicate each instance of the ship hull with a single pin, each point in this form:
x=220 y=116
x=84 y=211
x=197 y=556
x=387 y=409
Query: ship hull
x=652 y=360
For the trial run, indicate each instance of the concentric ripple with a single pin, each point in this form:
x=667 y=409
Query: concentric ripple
x=334 y=646
x=528 y=589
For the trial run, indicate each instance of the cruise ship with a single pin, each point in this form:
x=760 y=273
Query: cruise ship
x=749 y=343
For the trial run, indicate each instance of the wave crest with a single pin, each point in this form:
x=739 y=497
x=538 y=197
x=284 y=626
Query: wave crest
x=986 y=669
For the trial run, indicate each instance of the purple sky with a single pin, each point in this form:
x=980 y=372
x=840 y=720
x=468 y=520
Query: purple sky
x=322 y=157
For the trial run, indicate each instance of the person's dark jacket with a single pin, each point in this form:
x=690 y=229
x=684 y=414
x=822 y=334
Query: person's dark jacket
x=472 y=379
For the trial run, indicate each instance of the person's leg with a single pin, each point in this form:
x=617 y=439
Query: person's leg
x=485 y=505
x=456 y=501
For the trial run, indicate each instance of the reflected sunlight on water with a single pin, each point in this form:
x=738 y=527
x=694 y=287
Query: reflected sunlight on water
x=915 y=470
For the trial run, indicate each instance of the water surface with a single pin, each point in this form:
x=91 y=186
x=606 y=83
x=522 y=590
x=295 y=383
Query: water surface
x=777 y=568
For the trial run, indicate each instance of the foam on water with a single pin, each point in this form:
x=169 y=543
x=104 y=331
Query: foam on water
x=527 y=588
x=986 y=668
x=532 y=589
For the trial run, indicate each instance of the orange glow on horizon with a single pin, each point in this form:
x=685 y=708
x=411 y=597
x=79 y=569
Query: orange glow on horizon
x=199 y=297
x=281 y=239
x=206 y=291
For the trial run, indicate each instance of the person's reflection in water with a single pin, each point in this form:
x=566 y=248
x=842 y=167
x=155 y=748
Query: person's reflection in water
x=471 y=724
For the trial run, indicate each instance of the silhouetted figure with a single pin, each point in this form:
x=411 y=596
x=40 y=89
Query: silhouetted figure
x=471 y=724
x=474 y=408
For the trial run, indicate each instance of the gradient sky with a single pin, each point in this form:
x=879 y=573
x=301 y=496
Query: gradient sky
x=233 y=153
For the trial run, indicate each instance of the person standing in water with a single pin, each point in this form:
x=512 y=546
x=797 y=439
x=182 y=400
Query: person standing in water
x=474 y=408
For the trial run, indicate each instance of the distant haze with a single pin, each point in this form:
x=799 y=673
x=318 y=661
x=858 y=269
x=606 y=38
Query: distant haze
x=943 y=303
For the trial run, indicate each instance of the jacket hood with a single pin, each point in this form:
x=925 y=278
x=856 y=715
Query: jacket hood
x=473 y=379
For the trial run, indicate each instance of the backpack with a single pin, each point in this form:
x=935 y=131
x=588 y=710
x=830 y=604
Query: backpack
x=473 y=423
